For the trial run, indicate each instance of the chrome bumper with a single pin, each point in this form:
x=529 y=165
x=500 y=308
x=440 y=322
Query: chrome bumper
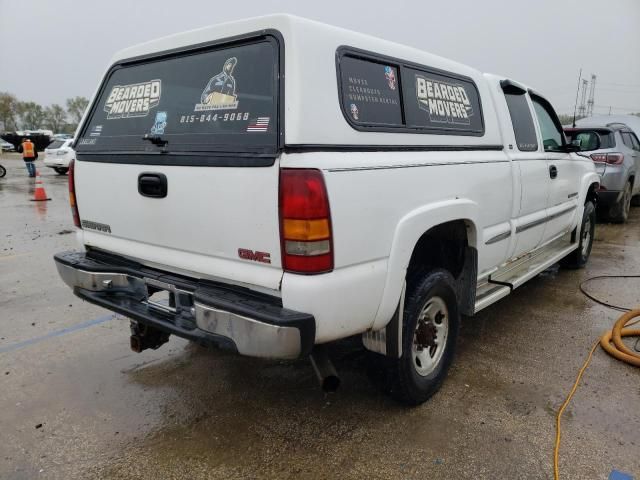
x=211 y=314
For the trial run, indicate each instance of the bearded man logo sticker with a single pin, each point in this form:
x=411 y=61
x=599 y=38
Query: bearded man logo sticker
x=220 y=92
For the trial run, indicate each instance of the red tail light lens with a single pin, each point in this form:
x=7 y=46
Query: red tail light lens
x=305 y=222
x=72 y=195
x=610 y=158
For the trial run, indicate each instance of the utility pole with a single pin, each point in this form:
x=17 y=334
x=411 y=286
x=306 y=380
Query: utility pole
x=592 y=91
x=575 y=105
x=583 y=98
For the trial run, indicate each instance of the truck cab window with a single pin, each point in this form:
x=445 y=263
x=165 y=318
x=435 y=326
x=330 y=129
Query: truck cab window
x=522 y=121
x=551 y=135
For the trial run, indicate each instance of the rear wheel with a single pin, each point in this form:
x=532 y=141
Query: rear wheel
x=3 y=171
x=579 y=257
x=429 y=334
x=620 y=211
x=61 y=170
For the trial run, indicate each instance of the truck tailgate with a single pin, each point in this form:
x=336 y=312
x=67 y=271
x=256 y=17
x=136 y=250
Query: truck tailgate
x=208 y=215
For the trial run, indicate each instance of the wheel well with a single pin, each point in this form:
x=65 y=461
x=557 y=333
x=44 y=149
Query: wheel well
x=447 y=246
x=443 y=246
x=592 y=194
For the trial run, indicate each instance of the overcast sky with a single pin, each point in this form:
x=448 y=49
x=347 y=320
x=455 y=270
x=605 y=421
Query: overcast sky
x=54 y=49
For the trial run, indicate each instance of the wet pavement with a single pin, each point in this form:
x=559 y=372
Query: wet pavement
x=76 y=402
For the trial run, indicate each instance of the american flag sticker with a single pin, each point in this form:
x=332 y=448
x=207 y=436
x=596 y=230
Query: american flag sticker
x=260 y=124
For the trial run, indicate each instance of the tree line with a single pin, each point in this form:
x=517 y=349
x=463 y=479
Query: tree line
x=19 y=115
x=568 y=119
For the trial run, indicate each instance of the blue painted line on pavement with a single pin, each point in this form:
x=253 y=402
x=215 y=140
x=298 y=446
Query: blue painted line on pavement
x=617 y=475
x=57 y=333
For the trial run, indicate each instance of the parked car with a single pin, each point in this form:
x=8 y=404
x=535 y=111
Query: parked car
x=58 y=155
x=373 y=190
x=6 y=146
x=631 y=121
x=618 y=164
x=62 y=136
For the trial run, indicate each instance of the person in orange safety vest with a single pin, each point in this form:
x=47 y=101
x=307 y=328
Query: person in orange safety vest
x=29 y=155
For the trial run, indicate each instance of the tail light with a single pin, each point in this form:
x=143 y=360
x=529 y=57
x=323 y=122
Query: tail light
x=610 y=158
x=72 y=195
x=305 y=222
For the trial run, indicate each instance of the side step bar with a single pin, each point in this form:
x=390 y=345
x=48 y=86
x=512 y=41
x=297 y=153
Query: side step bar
x=513 y=274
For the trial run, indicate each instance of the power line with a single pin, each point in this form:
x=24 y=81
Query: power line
x=637 y=85
x=637 y=109
x=617 y=90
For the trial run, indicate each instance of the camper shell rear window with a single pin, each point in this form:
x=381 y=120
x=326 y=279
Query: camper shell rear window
x=223 y=98
x=380 y=93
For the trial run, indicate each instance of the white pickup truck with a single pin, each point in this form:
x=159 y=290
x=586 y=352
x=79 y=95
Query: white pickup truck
x=285 y=184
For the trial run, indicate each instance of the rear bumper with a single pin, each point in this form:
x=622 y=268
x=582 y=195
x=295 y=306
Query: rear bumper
x=209 y=313
x=56 y=163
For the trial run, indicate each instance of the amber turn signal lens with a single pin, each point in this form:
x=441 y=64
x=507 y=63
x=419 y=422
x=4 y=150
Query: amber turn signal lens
x=306 y=230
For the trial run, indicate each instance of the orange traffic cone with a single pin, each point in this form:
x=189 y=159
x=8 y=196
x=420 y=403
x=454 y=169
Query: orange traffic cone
x=39 y=195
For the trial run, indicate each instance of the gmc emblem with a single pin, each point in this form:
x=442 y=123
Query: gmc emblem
x=246 y=254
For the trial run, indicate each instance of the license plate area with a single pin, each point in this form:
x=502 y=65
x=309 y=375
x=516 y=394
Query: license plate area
x=168 y=298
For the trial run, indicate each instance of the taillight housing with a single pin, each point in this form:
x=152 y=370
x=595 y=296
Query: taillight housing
x=72 y=195
x=610 y=158
x=305 y=222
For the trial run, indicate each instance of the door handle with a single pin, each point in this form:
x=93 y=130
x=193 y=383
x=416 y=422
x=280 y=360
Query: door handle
x=153 y=185
x=553 y=171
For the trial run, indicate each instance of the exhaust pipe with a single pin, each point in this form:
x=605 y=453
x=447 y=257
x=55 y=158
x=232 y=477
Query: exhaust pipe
x=325 y=371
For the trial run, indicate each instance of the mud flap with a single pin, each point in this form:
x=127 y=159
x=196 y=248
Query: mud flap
x=388 y=340
x=467 y=282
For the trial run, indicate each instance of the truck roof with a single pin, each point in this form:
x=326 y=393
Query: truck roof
x=291 y=26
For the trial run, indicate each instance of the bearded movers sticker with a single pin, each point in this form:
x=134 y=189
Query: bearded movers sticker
x=220 y=92
x=128 y=101
x=445 y=102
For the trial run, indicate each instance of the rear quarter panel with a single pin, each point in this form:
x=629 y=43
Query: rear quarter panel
x=381 y=203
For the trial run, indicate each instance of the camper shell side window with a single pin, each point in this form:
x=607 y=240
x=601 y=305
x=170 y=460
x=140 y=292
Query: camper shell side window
x=380 y=93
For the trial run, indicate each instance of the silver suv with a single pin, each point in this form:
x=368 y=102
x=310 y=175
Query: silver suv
x=618 y=164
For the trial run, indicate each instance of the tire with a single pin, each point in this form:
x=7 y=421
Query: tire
x=619 y=212
x=635 y=201
x=419 y=373
x=580 y=256
x=3 y=171
x=61 y=170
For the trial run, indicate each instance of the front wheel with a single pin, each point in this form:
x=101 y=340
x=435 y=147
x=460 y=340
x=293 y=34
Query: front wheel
x=579 y=257
x=61 y=170
x=3 y=171
x=429 y=333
